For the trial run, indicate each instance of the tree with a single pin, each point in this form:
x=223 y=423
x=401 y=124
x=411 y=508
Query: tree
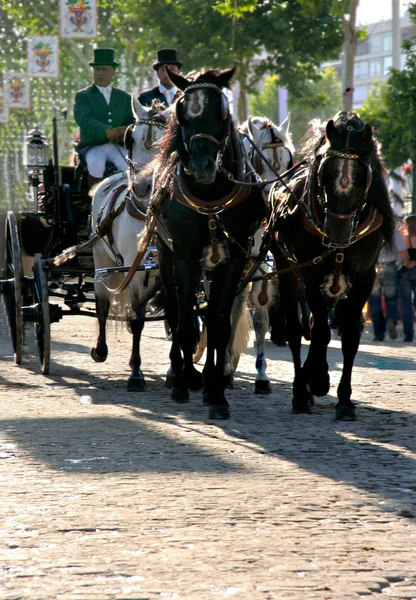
x=292 y=39
x=266 y=104
x=320 y=98
x=391 y=109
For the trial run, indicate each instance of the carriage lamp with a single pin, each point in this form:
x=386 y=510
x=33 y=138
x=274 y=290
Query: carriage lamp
x=35 y=157
x=36 y=149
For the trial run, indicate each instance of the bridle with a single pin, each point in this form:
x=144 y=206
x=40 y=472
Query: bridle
x=225 y=116
x=135 y=166
x=275 y=142
x=319 y=193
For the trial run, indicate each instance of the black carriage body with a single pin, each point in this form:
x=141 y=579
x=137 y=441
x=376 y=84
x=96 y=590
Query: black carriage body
x=62 y=219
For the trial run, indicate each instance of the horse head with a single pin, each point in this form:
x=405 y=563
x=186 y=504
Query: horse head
x=273 y=141
x=141 y=140
x=344 y=175
x=203 y=116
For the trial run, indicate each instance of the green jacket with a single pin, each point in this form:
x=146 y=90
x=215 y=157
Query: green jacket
x=94 y=115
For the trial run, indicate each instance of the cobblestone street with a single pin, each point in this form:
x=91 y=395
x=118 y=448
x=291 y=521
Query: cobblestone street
x=107 y=494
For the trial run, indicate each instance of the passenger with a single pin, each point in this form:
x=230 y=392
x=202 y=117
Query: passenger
x=103 y=113
x=386 y=285
x=407 y=279
x=165 y=92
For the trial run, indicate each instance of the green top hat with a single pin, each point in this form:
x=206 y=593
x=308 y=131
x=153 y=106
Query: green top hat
x=166 y=56
x=104 y=56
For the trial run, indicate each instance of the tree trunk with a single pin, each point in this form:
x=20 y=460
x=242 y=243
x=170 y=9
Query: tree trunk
x=242 y=105
x=350 y=45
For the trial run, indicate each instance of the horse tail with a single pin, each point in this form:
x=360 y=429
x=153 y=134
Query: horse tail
x=202 y=344
x=241 y=325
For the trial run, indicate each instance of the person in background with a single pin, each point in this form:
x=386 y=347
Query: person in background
x=102 y=113
x=407 y=279
x=165 y=92
x=386 y=284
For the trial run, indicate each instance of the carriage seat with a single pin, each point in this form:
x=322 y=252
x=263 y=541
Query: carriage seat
x=81 y=168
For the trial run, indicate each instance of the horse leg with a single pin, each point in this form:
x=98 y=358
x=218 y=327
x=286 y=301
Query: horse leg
x=102 y=304
x=186 y=279
x=261 y=324
x=350 y=329
x=261 y=327
x=136 y=382
x=223 y=291
x=288 y=288
x=174 y=380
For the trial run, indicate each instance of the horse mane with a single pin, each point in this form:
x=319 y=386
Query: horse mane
x=312 y=144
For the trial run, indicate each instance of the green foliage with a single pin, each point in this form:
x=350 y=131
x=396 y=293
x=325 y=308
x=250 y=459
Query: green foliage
x=292 y=38
x=390 y=108
x=319 y=98
x=266 y=104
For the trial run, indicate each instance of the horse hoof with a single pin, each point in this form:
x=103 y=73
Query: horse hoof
x=345 y=413
x=219 y=411
x=262 y=386
x=320 y=387
x=194 y=382
x=229 y=381
x=180 y=395
x=136 y=384
x=169 y=381
x=301 y=407
x=97 y=357
x=279 y=341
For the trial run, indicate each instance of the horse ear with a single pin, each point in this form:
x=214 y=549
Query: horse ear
x=180 y=82
x=250 y=126
x=225 y=77
x=330 y=129
x=284 y=127
x=367 y=133
x=138 y=109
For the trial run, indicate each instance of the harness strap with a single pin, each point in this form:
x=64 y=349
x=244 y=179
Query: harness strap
x=104 y=225
x=238 y=193
x=143 y=244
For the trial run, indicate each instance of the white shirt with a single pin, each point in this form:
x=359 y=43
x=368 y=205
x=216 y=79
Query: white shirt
x=106 y=92
x=169 y=94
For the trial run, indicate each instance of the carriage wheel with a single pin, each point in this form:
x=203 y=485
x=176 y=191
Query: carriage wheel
x=43 y=327
x=13 y=297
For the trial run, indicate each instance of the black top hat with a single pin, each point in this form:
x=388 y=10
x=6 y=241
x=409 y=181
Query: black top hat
x=166 y=56
x=104 y=56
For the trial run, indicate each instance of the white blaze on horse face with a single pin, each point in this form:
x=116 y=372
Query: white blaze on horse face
x=195 y=103
x=344 y=180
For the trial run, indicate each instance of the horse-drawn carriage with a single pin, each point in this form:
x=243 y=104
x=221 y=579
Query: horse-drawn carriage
x=57 y=216
x=327 y=221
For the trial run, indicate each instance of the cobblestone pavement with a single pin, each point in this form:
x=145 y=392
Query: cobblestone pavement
x=130 y=496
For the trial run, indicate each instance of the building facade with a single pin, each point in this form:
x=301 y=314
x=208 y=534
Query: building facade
x=374 y=56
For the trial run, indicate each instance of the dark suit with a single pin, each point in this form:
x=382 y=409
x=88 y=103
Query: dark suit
x=94 y=115
x=146 y=97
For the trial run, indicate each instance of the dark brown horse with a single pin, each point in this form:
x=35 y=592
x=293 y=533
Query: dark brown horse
x=206 y=223
x=331 y=219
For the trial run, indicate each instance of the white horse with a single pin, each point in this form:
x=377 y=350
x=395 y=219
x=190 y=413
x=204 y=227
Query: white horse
x=274 y=142
x=118 y=211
